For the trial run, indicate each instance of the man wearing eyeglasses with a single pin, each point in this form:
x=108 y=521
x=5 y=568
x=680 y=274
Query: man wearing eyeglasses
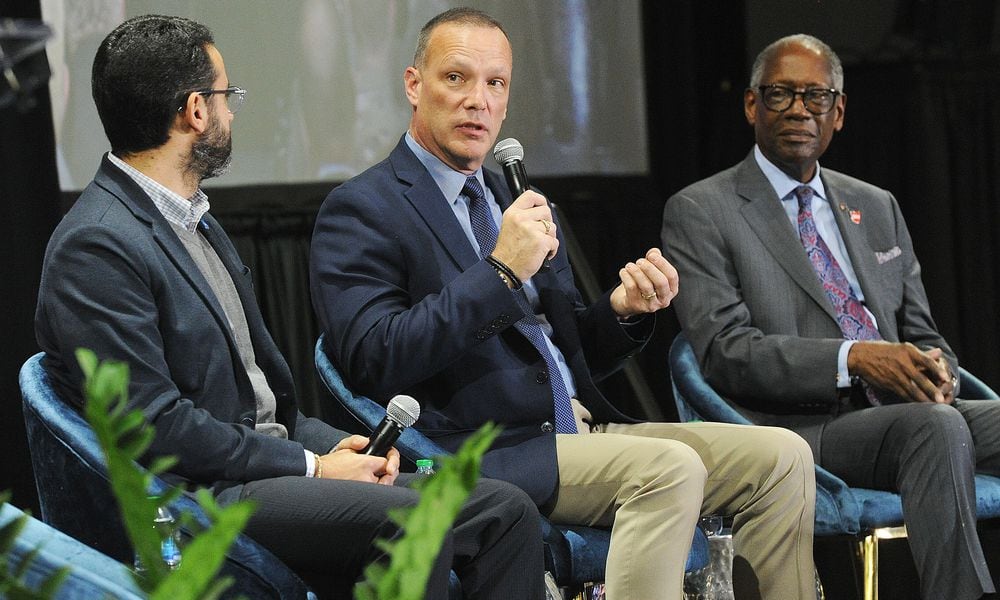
x=803 y=302
x=139 y=272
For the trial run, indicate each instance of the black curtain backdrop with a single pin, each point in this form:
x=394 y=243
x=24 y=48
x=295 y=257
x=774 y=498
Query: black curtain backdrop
x=29 y=210
x=922 y=124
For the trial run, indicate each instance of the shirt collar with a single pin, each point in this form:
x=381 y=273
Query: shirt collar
x=783 y=184
x=182 y=212
x=449 y=180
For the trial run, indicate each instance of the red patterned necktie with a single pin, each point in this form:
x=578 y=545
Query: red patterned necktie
x=854 y=321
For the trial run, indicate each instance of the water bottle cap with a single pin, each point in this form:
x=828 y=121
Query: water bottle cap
x=424 y=462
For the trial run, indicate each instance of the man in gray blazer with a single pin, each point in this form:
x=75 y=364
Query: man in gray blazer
x=140 y=272
x=803 y=301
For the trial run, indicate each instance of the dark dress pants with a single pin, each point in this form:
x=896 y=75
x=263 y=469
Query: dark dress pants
x=929 y=454
x=325 y=530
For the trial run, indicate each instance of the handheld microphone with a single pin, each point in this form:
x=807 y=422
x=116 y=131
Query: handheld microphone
x=402 y=412
x=509 y=154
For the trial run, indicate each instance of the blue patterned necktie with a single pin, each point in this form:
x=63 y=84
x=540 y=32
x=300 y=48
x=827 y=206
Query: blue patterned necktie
x=854 y=321
x=485 y=230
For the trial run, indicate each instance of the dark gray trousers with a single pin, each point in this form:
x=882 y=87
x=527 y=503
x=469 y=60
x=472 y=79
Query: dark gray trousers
x=929 y=454
x=324 y=530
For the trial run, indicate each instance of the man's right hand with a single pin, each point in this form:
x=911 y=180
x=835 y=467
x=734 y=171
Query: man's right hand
x=902 y=369
x=344 y=462
x=527 y=235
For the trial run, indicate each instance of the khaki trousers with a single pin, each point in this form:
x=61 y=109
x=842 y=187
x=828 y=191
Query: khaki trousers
x=650 y=482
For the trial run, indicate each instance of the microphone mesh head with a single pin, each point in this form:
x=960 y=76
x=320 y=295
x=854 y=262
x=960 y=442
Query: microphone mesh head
x=508 y=150
x=404 y=410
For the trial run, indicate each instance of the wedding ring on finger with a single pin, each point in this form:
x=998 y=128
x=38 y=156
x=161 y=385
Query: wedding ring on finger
x=545 y=224
x=649 y=296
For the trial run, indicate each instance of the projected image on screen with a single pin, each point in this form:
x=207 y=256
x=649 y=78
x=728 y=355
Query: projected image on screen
x=325 y=82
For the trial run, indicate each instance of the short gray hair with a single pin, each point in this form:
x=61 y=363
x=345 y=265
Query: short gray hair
x=807 y=41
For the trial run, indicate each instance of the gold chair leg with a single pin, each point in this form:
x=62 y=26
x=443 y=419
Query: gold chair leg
x=868 y=551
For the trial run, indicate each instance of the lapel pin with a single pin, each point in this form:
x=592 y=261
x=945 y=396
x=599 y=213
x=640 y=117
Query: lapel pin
x=855 y=216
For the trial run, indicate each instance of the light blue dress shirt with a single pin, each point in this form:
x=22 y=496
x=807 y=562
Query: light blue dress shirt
x=826 y=227
x=451 y=183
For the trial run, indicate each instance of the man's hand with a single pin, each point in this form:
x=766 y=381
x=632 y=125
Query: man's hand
x=948 y=387
x=344 y=462
x=903 y=369
x=648 y=285
x=527 y=235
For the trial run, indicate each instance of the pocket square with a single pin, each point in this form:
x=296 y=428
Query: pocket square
x=891 y=253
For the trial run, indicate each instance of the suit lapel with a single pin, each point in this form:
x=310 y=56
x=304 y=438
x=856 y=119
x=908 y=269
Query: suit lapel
x=427 y=199
x=135 y=199
x=212 y=231
x=769 y=221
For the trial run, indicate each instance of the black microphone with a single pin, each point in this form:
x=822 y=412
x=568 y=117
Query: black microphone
x=401 y=413
x=509 y=154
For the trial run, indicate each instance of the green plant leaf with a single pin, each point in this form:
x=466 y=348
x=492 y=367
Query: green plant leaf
x=204 y=554
x=412 y=556
x=124 y=437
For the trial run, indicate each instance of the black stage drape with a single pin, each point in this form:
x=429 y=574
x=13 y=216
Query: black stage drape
x=29 y=210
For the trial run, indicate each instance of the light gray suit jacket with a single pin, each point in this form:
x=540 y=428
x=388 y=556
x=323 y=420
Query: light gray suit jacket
x=750 y=302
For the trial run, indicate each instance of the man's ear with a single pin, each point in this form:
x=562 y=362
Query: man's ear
x=411 y=84
x=194 y=114
x=750 y=106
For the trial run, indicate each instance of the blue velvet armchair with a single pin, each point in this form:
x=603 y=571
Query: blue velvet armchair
x=868 y=514
x=91 y=574
x=575 y=555
x=75 y=496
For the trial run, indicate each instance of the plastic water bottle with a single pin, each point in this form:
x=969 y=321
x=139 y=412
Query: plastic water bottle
x=170 y=538
x=425 y=466
x=170 y=547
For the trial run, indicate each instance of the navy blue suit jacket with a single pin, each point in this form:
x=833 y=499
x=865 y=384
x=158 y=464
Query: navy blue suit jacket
x=118 y=280
x=409 y=307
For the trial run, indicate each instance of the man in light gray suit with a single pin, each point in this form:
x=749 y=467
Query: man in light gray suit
x=803 y=300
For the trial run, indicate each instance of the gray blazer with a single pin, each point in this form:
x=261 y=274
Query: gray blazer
x=756 y=314
x=117 y=280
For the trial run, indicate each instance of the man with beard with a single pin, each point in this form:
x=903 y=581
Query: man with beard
x=139 y=272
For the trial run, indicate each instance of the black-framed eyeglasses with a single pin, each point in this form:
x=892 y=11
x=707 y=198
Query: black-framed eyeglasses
x=780 y=98
x=235 y=96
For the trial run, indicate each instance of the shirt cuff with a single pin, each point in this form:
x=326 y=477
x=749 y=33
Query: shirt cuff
x=310 y=463
x=843 y=377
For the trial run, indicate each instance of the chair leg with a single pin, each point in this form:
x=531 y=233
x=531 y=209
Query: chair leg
x=868 y=551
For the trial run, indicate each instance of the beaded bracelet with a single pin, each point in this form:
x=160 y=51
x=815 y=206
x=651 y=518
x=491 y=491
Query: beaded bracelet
x=318 y=472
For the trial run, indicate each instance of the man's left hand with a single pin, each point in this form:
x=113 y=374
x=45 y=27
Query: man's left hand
x=948 y=387
x=647 y=285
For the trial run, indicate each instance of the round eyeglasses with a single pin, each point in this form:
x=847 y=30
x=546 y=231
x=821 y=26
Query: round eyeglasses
x=779 y=98
x=235 y=96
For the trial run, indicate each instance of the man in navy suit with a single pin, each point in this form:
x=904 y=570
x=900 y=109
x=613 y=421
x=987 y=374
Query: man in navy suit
x=427 y=277
x=139 y=272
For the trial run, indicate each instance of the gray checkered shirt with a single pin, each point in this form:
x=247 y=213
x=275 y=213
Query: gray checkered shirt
x=183 y=212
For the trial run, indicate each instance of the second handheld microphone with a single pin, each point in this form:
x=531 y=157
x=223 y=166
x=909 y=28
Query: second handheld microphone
x=402 y=412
